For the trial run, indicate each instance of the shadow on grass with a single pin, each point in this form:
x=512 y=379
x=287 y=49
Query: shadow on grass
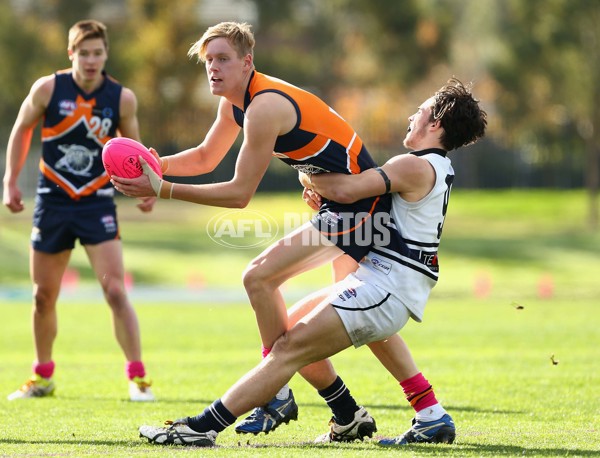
x=371 y=446
x=199 y=403
x=408 y=408
x=74 y=441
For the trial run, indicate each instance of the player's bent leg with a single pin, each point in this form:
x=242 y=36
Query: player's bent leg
x=281 y=411
x=290 y=256
x=321 y=375
x=316 y=337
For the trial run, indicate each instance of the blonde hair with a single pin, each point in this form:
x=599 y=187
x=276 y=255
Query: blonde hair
x=86 y=30
x=239 y=36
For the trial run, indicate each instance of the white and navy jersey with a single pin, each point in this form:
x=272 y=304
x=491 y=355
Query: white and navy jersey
x=407 y=266
x=76 y=126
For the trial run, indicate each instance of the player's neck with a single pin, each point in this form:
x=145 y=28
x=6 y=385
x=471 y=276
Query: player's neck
x=239 y=97
x=86 y=85
x=427 y=143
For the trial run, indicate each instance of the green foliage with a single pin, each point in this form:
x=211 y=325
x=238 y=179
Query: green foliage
x=545 y=104
x=535 y=66
x=26 y=56
x=151 y=47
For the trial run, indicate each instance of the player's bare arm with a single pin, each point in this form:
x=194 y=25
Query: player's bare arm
x=409 y=175
x=128 y=123
x=269 y=115
x=31 y=111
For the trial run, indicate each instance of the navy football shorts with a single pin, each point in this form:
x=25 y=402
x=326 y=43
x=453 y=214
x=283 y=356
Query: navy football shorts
x=56 y=228
x=355 y=228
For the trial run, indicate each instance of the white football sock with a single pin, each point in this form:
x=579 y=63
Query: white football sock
x=431 y=413
x=283 y=393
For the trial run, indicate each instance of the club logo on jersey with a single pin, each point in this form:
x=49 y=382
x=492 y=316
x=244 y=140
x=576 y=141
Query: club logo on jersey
x=66 y=107
x=305 y=168
x=330 y=218
x=106 y=112
x=77 y=159
x=381 y=265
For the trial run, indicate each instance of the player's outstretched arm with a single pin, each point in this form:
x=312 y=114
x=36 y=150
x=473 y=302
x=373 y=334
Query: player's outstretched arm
x=407 y=174
x=261 y=127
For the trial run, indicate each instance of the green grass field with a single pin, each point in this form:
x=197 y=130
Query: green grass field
x=489 y=361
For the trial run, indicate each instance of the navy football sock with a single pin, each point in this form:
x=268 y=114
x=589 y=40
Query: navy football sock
x=215 y=417
x=341 y=402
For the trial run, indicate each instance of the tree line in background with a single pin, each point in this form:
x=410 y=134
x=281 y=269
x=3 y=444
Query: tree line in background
x=534 y=64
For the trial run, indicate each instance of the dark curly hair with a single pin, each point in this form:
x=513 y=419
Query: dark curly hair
x=464 y=122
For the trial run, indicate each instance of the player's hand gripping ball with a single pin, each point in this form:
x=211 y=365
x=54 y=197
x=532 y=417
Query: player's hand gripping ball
x=120 y=158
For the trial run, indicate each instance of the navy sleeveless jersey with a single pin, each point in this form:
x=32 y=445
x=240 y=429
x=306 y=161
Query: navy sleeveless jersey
x=321 y=141
x=76 y=126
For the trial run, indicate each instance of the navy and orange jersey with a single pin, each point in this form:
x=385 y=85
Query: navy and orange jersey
x=321 y=140
x=75 y=128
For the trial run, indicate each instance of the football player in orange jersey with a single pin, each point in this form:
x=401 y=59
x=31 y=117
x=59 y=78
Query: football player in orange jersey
x=281 y=120
x=390 y=286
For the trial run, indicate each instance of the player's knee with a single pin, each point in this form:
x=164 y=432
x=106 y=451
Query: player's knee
x=255 y=278
x=44 y=300
x=293 y=348
x=284 y=348
x=114 y=291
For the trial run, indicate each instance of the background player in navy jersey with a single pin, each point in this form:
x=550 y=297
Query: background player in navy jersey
x=82 y=108
x=390 y=286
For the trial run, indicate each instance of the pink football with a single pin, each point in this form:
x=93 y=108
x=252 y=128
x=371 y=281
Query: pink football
x=120 y=158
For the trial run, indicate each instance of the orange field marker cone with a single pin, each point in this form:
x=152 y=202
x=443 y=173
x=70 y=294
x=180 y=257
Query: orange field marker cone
x=545 y=287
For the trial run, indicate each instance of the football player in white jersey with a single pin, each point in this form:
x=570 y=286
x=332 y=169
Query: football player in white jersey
x=390 y=286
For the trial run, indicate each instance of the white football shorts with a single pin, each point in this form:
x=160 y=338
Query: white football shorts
x=369 y=313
